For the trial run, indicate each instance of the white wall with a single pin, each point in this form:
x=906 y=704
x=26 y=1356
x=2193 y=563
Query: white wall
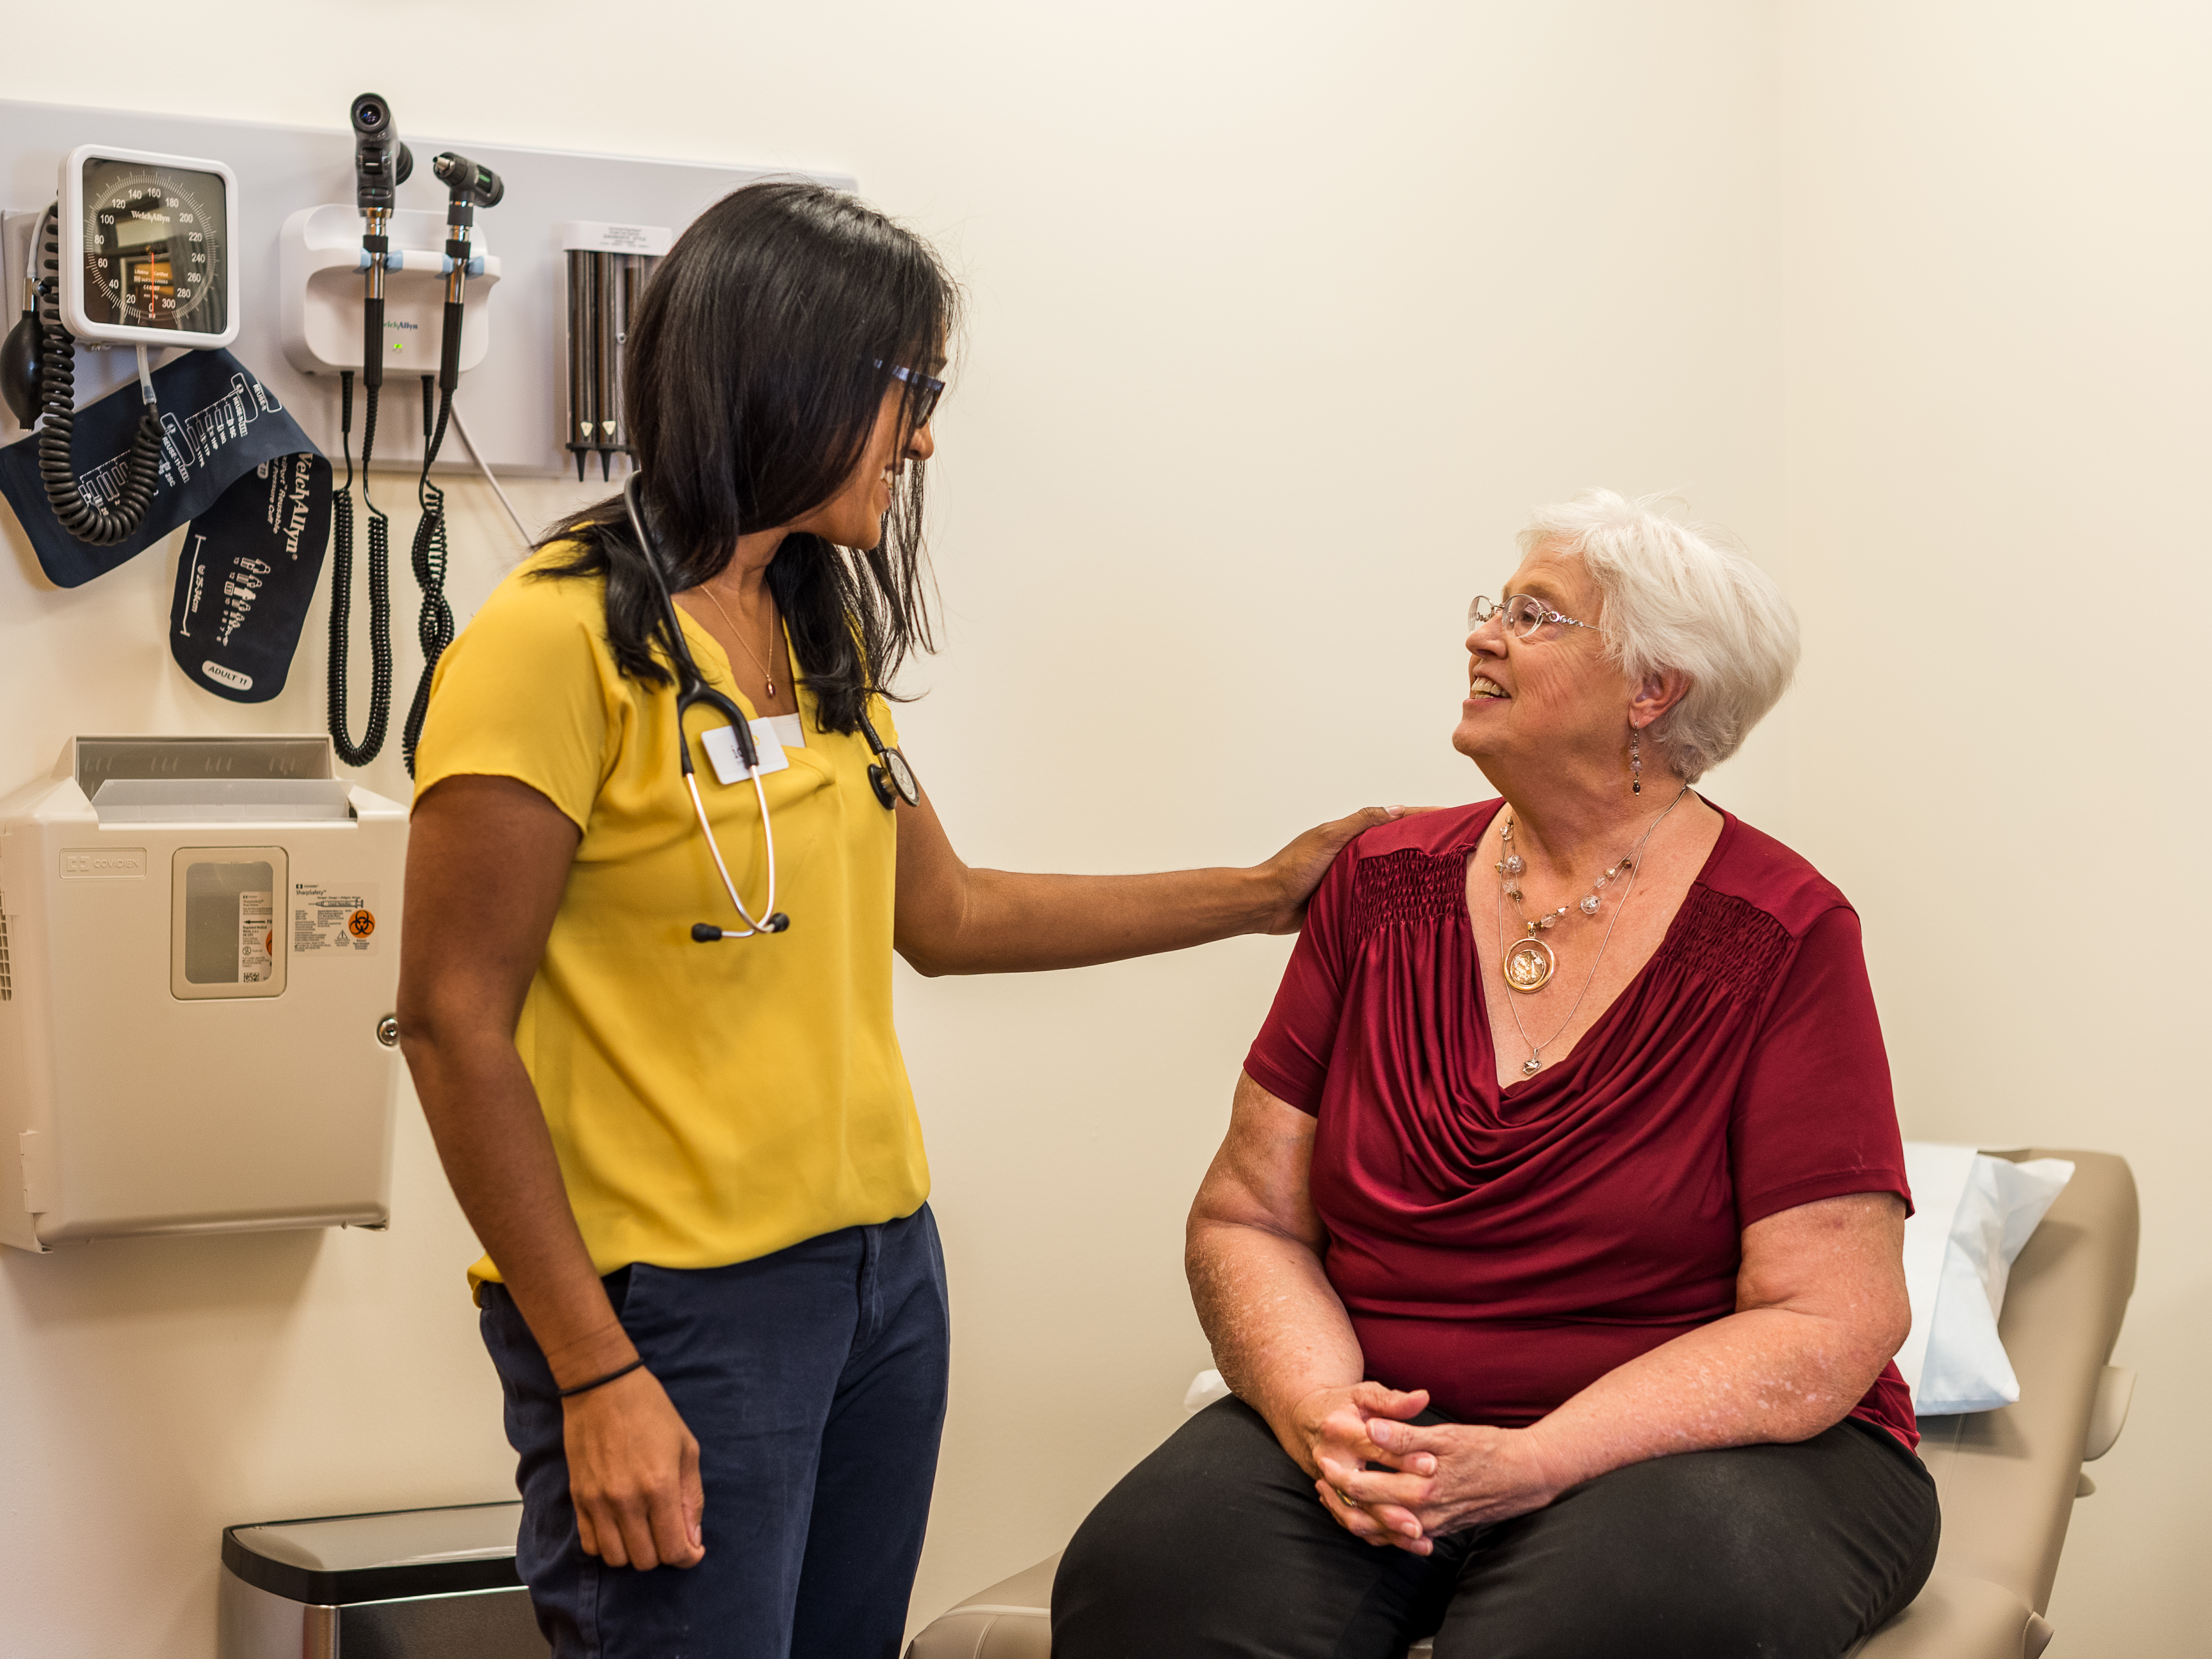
x=1998 y=338
x=1282 y=316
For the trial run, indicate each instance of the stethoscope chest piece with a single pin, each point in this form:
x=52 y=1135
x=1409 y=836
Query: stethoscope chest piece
x=893 y=779
x=889 y=774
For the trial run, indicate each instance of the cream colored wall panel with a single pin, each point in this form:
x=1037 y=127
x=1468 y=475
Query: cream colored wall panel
x=1996 y=331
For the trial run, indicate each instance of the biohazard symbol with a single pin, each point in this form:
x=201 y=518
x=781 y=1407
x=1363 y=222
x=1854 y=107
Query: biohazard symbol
x=362 y=923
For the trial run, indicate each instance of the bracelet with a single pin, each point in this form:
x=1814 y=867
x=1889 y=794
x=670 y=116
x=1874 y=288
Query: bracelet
x=602 y=1381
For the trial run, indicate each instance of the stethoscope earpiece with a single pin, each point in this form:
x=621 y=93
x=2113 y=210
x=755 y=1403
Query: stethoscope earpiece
x=705 y=933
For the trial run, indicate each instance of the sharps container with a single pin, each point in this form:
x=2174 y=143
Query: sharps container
x=200 y=957
x=405 y=1584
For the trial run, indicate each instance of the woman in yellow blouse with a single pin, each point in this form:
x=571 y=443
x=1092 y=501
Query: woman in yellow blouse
x=712 y=1288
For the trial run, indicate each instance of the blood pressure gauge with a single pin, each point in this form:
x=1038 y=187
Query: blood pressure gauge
x=145 y=248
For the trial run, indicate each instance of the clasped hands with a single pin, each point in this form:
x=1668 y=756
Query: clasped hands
x=1435 y=1478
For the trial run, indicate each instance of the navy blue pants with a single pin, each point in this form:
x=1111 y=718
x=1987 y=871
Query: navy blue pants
x=814 y=1380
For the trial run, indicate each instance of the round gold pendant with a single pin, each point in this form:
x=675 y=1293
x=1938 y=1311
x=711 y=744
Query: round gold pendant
x=1528 y=965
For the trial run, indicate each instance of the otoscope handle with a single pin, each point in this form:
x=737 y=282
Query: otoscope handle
x=449 y=348
x=472 y=185
x=376 y=243
x=371 y=343
x=381 y=165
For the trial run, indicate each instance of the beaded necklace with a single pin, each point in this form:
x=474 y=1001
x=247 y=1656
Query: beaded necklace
x=1527 y=968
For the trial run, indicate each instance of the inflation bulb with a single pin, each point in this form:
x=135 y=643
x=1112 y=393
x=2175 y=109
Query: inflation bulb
x=19 y=360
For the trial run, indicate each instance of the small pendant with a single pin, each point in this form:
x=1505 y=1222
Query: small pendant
x=1530 y=1065
x=771 y=688
x=1528 y=965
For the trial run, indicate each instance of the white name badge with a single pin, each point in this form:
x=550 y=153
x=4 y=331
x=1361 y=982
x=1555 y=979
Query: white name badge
x=721 y=744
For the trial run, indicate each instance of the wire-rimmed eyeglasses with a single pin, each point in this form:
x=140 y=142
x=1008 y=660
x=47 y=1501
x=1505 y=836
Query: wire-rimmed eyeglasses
x=1522 y=615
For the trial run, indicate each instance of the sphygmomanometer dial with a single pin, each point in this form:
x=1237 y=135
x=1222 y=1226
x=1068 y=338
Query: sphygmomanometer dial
x=153 y=244
x=152 y=251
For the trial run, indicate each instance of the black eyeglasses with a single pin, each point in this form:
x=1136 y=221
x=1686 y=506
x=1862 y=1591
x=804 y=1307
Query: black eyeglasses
x=928 y=389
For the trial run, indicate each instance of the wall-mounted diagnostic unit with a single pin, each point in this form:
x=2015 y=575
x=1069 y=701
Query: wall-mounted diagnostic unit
x=198 y=958
x=320 y=293
x=352 y=269
x=299 y=212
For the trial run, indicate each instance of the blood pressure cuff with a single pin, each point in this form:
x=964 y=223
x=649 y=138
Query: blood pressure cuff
x=237 y=467
x=247 y=570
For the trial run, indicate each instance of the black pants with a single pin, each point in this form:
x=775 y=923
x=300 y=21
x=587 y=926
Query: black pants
x=1215 y=1546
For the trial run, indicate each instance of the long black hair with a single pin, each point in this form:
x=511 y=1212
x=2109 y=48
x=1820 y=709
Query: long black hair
x=755 y=367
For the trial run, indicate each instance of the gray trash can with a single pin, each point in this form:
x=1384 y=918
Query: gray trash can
x=405 y=1584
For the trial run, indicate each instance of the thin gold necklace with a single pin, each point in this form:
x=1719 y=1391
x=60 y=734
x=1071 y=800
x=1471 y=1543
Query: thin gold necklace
x=707 y=588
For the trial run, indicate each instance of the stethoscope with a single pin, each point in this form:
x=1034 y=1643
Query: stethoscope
x=889 y=775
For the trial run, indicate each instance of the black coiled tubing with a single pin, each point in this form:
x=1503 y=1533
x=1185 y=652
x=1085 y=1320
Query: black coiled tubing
x=433 y=628
x=89 y=521
x=380 y=596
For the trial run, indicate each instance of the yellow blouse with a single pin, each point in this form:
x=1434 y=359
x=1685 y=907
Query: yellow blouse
x=709 y=1104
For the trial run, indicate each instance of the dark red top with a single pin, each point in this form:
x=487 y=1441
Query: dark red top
x=1504 y=1249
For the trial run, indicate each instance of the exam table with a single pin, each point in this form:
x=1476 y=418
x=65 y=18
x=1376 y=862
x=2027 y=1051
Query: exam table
x=2009 y=1477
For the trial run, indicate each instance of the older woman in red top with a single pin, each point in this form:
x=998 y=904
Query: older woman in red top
x=1554 y=1252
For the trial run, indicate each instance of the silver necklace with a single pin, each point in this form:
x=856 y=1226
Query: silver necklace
x=1527 y=968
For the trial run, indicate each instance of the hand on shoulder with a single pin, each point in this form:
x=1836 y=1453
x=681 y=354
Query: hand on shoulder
x=1294 y=873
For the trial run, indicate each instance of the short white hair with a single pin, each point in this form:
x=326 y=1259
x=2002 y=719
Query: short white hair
x=1684 y=597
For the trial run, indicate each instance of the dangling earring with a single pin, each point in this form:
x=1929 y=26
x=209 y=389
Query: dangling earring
x=1634 y=760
